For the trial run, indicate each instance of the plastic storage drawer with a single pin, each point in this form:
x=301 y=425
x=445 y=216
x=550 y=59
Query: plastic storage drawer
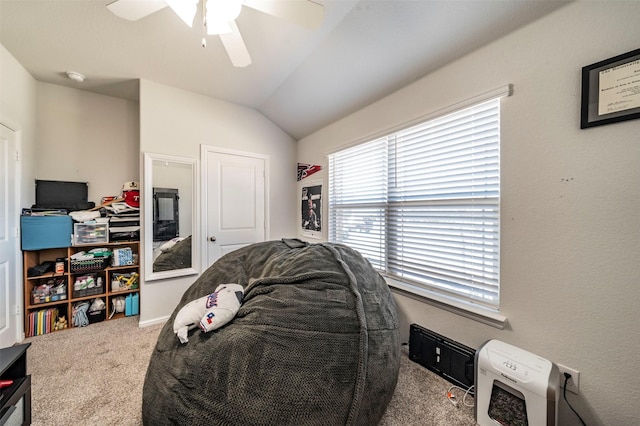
x=90 y=233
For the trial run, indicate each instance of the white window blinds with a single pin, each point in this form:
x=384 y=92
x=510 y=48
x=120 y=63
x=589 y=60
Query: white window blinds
x=358 y=199
x=423 y=204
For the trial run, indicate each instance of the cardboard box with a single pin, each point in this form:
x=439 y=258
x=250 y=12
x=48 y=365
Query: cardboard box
x=122 y=257
x=43 y=232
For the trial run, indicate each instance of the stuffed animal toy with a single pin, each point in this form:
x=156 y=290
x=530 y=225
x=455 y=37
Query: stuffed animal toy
x=209 y=312
x=60 y=324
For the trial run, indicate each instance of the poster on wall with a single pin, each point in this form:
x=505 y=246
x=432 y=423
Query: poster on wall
x=306 y=170
x=311 y=210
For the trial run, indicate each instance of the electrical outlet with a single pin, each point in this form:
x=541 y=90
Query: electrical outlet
x=573 y=384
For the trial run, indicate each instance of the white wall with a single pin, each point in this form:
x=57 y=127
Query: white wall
x=86 y=137
x=177 y=122
x=570 y=201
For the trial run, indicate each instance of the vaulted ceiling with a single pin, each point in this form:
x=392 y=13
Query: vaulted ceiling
x=301 y=79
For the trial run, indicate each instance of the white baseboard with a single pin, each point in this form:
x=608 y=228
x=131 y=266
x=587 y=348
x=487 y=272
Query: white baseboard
x=154 y=321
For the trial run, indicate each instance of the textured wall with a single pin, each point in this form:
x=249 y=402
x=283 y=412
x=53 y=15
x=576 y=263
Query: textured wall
x=570 y=201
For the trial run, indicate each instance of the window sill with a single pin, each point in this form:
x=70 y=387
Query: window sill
x=467 y=310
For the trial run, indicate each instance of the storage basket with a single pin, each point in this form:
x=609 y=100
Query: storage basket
x=89 y=265
x=53 y=291
x=88 y=291
x=96 y=316
x=38 y=296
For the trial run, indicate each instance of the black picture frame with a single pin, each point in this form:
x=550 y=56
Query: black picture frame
x=620 y=99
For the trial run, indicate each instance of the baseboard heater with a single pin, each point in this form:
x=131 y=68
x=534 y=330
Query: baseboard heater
x=443 y=356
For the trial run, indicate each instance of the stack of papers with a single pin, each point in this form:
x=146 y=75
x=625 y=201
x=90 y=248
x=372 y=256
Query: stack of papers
x=124 y=222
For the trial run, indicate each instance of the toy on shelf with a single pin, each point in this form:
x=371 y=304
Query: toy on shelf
x=61 y=323
x=127 y=281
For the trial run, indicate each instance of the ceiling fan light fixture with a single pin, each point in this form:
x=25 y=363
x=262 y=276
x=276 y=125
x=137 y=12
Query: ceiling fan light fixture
x=223 y=10
x=185 y=9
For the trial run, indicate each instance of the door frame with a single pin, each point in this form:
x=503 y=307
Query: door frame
x=17 y=305
x=205 y=150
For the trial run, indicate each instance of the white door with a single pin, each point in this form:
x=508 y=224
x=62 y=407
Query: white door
x=235 y=201
x=9 y=250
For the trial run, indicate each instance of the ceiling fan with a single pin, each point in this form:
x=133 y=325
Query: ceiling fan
x=220 y=16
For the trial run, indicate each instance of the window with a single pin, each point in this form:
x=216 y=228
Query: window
x=423 y=204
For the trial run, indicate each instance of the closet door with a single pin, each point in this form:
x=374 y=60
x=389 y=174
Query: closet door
x=235 y=202
x=9 y=247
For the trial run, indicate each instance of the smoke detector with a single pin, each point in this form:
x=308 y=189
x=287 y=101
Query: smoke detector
x=75 y=76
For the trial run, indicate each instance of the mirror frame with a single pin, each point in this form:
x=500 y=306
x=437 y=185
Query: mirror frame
x=147 y=206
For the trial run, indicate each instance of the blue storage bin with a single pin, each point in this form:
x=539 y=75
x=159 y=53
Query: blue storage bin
x=135 y=304
x=131 y=304
x=43 y=232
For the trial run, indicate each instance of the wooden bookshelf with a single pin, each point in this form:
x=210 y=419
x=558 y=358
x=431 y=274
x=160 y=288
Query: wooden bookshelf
x=105 y=277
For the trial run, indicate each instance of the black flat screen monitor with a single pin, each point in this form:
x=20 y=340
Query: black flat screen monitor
x=54 y=194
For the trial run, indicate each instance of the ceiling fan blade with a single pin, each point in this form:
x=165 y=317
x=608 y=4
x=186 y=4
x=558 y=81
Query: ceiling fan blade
x=132 y=10
x=302 y=12
x=235 y=47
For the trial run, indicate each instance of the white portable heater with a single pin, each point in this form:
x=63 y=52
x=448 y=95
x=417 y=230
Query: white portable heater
x=514 y=387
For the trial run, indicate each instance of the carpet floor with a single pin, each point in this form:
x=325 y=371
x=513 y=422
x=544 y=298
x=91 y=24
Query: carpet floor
x=95 y=374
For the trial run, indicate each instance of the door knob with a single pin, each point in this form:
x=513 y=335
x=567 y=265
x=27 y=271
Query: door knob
x=212 y=239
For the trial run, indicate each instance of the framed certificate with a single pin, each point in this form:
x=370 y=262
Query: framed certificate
x=611 y=90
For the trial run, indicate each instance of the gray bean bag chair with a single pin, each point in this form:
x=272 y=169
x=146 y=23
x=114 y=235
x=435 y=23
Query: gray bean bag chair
x=315 y=342
x=177 y=257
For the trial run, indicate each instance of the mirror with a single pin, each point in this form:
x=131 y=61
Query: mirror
x=170 y=216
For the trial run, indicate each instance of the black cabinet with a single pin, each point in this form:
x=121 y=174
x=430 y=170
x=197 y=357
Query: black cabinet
x=15 y=399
